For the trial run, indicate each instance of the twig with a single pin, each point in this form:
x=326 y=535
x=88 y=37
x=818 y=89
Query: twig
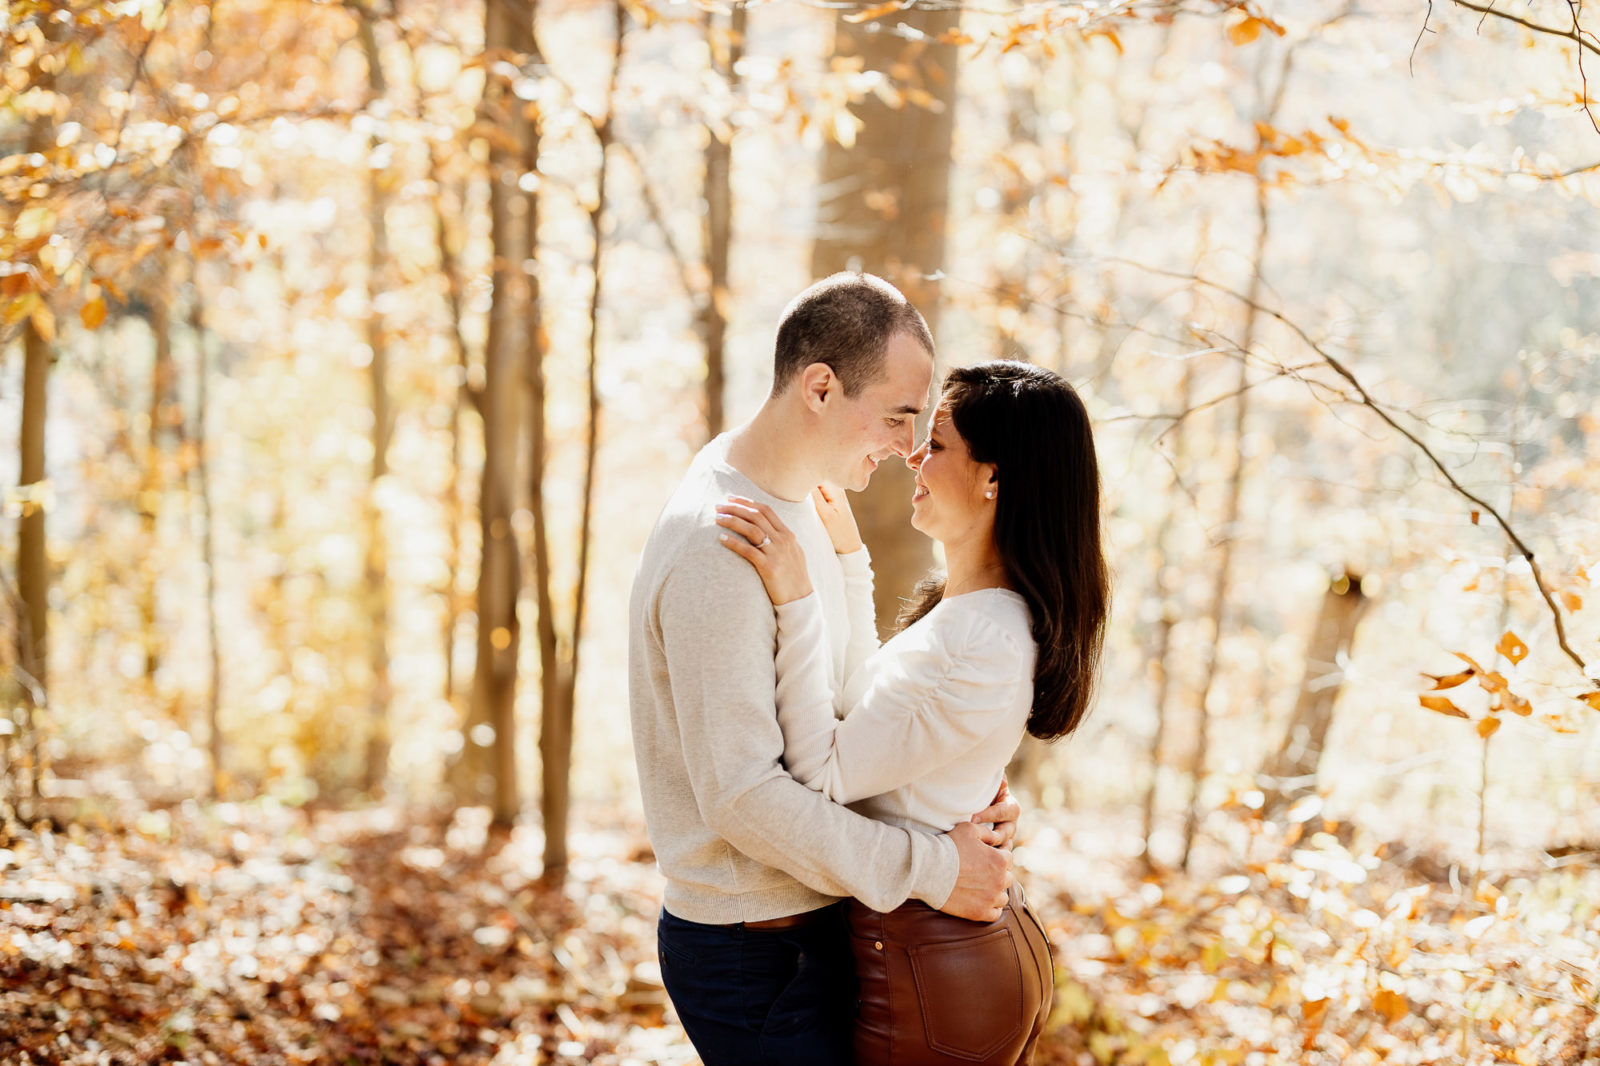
x=1554 y=31
x=1367 y=400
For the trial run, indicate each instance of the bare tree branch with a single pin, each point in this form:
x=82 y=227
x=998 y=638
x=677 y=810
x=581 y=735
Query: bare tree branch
x=1367 y=400
x=1575 y=34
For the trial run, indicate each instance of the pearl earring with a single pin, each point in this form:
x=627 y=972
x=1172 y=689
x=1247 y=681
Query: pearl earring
x=989 y=495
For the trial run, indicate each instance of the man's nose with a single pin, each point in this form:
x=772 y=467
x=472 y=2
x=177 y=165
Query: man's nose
x=905 y=443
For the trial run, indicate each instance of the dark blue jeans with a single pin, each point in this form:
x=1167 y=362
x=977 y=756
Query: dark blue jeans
x=748 y=996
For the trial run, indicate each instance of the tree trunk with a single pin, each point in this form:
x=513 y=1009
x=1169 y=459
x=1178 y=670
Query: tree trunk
x=152 y=486
x=559 y=651
x=495 y=677
x=33 y=575
x=1292 y=770
x=882 y=210
x=727 y=46
x=376 y=577
x=1171 y=610
x=463 y=398
x=208 y=553
x=1230 y=522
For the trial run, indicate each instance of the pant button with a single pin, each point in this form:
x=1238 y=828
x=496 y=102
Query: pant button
x=877 y=945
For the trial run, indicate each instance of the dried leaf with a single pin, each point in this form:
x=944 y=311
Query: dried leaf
x=1572 y=600
x=93 y=313
x=1487 y=726
x=1443 y=681
x=1592 y=699
x=1392 y=1005
x=1442 y=705
x=874 y=12
x=1244 y=32
x=1511 y=647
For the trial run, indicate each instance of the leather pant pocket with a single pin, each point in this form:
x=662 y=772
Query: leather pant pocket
x=970 y=992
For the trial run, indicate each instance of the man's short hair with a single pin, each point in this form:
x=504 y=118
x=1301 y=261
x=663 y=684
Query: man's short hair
x=844 y=321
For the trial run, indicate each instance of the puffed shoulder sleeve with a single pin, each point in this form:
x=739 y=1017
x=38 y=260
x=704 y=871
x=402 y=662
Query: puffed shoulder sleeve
x=948 y=682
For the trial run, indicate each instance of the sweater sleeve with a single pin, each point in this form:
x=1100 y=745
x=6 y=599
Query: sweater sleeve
x=936 y=698
x=863 y=616
x=717 y=629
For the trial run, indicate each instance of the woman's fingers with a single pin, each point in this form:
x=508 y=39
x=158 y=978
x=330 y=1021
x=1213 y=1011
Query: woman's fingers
x=743 y=526
x=767 y=516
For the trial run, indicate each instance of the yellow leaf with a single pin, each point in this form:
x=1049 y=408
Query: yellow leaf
x=1512 y=648
x=1487 y=726
x=1442 y=705
x=1592 y=699
x=1493 y=682
x=1246 y=31
x=1517 y=705
x=93 y=313
x=1441 y=681
x=1573 y=601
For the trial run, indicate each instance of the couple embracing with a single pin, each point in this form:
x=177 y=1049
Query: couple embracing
x=831 y=815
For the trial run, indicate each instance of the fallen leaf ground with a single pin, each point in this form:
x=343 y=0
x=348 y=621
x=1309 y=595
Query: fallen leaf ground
x=263 y=934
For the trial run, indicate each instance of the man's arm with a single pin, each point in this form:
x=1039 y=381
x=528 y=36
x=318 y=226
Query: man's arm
x=718 y=633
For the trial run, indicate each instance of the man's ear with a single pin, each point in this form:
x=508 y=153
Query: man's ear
x=818 y=385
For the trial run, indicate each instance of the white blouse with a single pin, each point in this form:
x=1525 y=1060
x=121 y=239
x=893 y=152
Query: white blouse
x=923 y=729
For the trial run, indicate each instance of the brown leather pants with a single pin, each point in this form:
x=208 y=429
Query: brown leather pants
x=934 y=989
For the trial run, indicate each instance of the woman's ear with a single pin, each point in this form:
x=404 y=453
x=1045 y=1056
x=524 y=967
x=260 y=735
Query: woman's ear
x=990 y=475
x=817 y=384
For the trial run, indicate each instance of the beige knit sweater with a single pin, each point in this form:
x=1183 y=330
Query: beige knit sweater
x=737 y=838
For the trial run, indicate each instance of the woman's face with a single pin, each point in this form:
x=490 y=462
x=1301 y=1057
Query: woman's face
x=949 y=503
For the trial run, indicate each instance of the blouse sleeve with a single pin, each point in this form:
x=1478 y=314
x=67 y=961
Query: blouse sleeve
x=863 y=617
x=941 y=693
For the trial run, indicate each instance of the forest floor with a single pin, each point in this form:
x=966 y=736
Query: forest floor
x=257 y=933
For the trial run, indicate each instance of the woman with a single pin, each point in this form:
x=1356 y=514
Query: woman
x=1009 y=640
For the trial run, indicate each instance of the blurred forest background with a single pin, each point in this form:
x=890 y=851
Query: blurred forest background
x=351 y=348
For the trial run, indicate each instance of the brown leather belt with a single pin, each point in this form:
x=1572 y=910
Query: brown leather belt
x=788 y=921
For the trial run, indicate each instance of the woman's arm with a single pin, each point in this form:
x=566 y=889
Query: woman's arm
x=934 y=699
x=938 y=692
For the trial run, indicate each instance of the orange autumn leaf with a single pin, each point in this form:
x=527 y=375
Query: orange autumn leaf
x=1517 y=705
x=1573 y=601
x=1443 y=681
x=1487 y=726
x=1392 y=1005
x=1592 y=699
x=874 y=12
x=1442 y=705
x=1511 y=647
x=1246 y=31
x=93 y=313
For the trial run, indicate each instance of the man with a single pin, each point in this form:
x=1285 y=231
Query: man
x=753 y=951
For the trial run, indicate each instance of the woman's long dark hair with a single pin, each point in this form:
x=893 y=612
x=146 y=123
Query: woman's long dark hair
x=1033 y=427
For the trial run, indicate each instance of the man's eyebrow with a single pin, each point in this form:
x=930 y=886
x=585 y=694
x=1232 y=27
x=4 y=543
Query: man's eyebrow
x=908 y=409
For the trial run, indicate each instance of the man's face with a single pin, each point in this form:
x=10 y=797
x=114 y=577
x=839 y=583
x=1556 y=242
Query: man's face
x=877 y=422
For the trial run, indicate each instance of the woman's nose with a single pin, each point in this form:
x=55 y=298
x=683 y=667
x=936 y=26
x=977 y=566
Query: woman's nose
x=914 y=460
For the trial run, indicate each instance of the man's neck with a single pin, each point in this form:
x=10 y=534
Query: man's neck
x=767 y=450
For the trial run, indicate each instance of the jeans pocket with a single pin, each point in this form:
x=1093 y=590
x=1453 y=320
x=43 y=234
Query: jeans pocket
x=970 y=993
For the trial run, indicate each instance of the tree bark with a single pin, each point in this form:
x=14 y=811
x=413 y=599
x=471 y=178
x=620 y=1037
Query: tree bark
x=727 y=47
x=159 y=418
x=883 y=209
x=495 y=676
x=1293 y=767
x=33 y=575
x=208 y=551
x=376 y=576
x=559 y=658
